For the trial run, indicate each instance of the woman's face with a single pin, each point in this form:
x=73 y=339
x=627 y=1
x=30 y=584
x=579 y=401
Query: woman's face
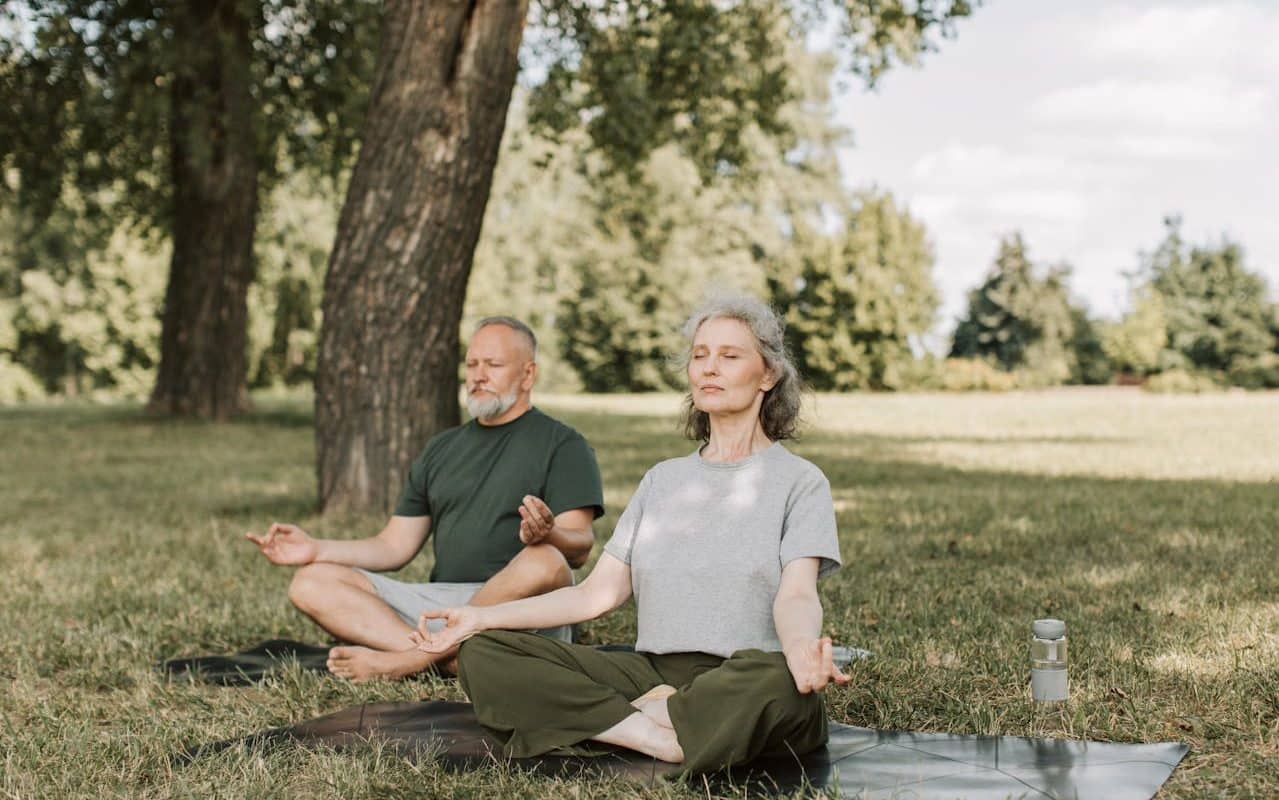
x=726 y=372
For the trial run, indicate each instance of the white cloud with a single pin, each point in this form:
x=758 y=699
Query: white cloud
x=1060 y=205
x=1133 y=110
x=976 y=166
x=1206 y=103
x=1187 y=38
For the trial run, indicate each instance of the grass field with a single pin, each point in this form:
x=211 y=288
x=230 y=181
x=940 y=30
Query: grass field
x=1150 y=524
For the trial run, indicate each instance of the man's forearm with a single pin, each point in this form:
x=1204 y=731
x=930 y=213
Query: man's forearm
x=371 y=554
x=573 y=543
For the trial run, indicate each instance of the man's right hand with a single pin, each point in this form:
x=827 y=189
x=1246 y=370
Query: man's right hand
x=286 y=544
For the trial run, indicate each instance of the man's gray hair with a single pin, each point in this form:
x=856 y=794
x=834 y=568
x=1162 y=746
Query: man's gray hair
x=779 y=415
x=514 y=324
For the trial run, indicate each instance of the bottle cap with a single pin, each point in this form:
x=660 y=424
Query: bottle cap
x=1048 y=629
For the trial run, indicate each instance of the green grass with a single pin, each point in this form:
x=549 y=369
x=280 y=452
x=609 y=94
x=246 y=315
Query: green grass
x=1150 y=524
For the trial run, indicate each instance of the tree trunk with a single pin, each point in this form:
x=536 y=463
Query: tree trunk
x=215 y=197
x=388 y=363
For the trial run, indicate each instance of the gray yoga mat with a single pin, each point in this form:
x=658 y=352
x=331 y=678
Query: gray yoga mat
x=857 y=762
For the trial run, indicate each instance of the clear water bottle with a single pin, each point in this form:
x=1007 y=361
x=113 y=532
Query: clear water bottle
x=1048 y=660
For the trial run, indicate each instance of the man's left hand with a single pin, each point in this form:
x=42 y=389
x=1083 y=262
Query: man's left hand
x=536 y=520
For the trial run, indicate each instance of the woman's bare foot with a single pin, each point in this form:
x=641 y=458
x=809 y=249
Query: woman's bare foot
x=640 y=733
x=366 y=664
x=665 y=746
x=652 y=704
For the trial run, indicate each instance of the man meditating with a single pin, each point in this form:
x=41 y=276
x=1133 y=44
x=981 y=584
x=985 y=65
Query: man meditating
x=510 y=497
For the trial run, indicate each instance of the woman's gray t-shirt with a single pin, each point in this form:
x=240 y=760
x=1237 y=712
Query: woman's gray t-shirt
x=706 y=543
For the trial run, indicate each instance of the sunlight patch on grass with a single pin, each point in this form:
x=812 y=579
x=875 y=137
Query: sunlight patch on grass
x=1247 y=638
x=1191 y=539
x=1103 y=577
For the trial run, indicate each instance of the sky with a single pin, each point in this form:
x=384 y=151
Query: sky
x=1082 y=125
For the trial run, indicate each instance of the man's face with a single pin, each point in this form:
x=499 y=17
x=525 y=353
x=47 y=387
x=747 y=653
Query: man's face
x=499 y=369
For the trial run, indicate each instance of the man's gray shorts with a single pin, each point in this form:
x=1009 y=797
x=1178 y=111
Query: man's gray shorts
x=409 y=600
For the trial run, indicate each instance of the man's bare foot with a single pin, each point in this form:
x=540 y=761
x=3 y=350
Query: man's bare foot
x=366 y=664
x=652 y=704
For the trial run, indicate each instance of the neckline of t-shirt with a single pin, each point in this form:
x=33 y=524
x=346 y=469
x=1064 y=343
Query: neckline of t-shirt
x=505 y=425
x=745 y=462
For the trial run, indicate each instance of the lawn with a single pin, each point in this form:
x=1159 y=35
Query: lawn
x=1149 y=523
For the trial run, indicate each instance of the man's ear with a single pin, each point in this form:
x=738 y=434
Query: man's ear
x=530 y=376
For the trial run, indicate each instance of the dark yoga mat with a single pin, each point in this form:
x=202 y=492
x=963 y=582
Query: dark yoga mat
x=249 y=666
x=258 y=663
x=858 y=762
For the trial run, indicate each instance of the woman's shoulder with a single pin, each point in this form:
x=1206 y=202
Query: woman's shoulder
x=800 y=469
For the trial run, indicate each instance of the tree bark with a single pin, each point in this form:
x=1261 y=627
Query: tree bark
x=389 y=349
x=213 y=161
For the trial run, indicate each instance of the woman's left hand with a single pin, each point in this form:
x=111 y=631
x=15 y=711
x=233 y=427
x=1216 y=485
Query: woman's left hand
x=813 y=666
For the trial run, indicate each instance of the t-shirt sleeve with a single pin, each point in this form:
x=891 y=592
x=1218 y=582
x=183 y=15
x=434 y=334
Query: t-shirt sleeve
x=573 y=478
x=622 y=542
x=808 y=530
x=415 y=500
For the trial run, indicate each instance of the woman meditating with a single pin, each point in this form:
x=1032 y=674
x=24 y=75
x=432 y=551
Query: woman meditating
x=721 y=549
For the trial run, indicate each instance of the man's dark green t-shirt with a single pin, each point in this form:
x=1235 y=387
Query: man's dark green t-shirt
x=471 y=481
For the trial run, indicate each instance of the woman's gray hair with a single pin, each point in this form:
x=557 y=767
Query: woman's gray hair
x=779 y=414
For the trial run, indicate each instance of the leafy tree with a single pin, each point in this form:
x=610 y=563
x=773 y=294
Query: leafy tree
x=1089 y=364
x=660 y=242
x=292 y=249
x=98 y=321
x=536 y=229
x=1134 y=343
x=80 y=302
x=177 y=115
x=659 y=239
x=1020 y=318
x=1217 y=314
x=859 y=298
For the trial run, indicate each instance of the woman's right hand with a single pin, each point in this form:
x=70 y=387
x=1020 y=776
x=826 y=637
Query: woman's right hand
x=460 y=624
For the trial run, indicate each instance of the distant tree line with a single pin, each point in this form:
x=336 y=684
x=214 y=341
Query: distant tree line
x=1197 y=318
x=601 y=240
x=604 y=273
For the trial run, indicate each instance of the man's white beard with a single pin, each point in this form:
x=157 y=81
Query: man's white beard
x=488 y=406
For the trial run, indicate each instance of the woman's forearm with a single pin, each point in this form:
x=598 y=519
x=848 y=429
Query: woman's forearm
x=798 y=619
x=566 y=606
x=606 y=588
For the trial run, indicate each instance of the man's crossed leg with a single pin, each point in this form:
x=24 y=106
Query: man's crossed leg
x=376 y=614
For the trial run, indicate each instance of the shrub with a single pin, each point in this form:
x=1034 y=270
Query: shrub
x=1180 y=381
x=17 y=385
x=974 y=375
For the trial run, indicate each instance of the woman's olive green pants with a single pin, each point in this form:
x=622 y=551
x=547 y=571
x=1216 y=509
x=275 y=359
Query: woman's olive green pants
x=540 y=695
